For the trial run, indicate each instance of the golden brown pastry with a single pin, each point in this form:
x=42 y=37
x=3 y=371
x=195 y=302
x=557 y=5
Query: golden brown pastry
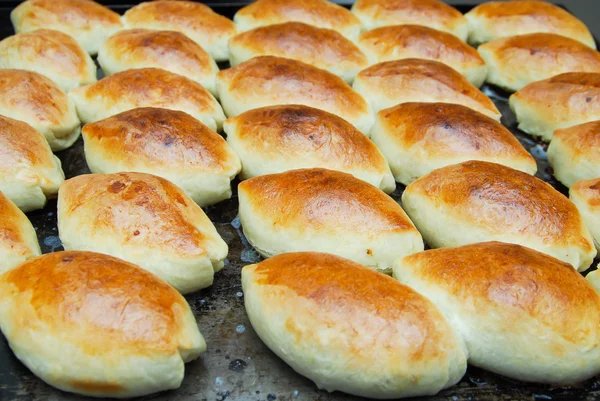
x=521 y=313
x=146 y=87
x=585 y=194
x=29 y=172
x=417 y=138
x=168 y=143
x=270 y=81
x=18 y=240
x=389 y=83
x=51 y=53
x=325 y=211
x=351 y=329
x=562 y=101
x=35 y=99
x=321 y=47
x=574 y=153
x=196 y=20
x=169 y=50
x=280 y=138
x=413 y=41
x=320 y=13
x=478 y=201
x=432 y=13
x=498 y=19
x=95 y=325
x=520 y=60
x=85 y=20
x=143 y=219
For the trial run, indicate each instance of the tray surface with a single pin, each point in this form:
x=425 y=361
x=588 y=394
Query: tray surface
x=237 y=365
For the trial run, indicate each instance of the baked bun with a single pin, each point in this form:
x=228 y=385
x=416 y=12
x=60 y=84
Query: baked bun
x=167 y=143
x=585 y=195
x=321 y=47
x=51 y=53
x=574 y=153
x=196 y=20
x=270 y=81
x=351 y=329
x=520 y=60
x=143 y=219
x=35 y=99
x=498 y=19
x=280 y=138
x=169 y=50
x=479 y=201
x=389 y=83
x=320 y=13
x=85 y=20
x=413 y=41
x=146 y=87
x=559 y=102
x=417 y=138
x=29 y=172
x=521 y=313
x=432 y=13
x=325 y=211
x=95 y=325
x=18 y=240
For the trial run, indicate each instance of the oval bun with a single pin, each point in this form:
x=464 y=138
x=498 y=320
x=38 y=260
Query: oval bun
x=417 y=138
x=479 y=201
x=169 y=50
x=432 y=13
x=270 y=81
x=521 y=313
x=146 y=87
x=85 y=20
x=280 y=138
x=320 y=13
x=95 y=325
x=29 y=173
x=562 y=101
x=325 y=211
x=390 y=83
x=498 y=19
x=143 y=219
x=386 y=341
x=321 y=47
x=196 y=20
x=38 y=101
x=168 y=143
x=413 y=41
x=516 y=61
x=51 y=53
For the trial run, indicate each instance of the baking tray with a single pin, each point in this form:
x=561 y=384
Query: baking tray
x=237 y=365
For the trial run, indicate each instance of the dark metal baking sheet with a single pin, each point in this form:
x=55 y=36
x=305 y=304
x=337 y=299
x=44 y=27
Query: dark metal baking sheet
x=237 y=365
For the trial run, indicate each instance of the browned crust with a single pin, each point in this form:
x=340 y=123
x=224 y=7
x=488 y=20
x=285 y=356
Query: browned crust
x=159 y=137
x=182 y=14
x=31 y=91
x=21 y=145
x=302 y=41
x=428 y=42
x=513 y=201
x=117 y=303
x=324 y=198
x=261 y=75
x=139 y=208
x=152 y=83
x=513 y=278
x=144 y=44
